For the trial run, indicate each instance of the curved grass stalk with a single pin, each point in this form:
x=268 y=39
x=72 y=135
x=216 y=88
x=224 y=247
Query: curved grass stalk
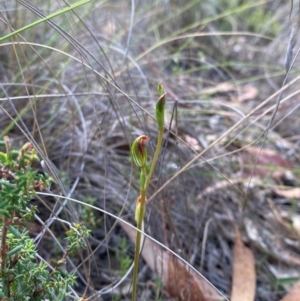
x=163 y=246
x=155 y=157
x=51 y=16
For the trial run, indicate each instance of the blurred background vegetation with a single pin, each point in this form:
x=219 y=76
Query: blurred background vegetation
x=82 y=86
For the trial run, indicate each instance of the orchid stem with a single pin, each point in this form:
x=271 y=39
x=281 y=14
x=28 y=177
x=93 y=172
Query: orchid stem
x=155 y=157
x=139 y=155
x=137 y=250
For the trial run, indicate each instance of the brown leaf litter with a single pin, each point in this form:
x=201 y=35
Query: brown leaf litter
x=181 y=282
x=244 y=275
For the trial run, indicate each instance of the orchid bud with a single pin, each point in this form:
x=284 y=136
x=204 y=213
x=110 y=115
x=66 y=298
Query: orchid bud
x=160 y=89
x=139 y=151
x=160 y=106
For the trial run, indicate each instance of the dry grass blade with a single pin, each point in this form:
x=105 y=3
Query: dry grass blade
x=288 y=193
x=182 y=283
x=291 y=45
x=294 y=294
x=244 y=276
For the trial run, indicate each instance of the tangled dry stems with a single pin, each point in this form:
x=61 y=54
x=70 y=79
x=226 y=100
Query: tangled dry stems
x=84 y=118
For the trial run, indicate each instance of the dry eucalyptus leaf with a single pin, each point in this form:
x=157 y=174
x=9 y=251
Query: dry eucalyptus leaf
x=192 y=142
x=247 y=93
x=293 y=193
x=244 y=275
x=182 y=283
x=266 y=162
x=217 y=186
x=219 y=88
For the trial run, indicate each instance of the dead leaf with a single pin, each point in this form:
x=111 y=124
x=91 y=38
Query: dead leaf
x=268 y=163
x=217 y=186
x=244 y=276
x=219 y=88
x=294 y=294
x=247 y=93
x=181 y=282
x=265 y=239
x=192 y=142
x=293 y=193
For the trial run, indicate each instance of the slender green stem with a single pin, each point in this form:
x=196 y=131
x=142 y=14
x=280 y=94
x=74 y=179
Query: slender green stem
x=142 y=200
x=137 y=253
x=139 y=155
x=155 y=157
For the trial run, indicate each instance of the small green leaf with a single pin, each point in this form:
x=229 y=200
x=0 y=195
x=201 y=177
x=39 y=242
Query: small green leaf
x=14 y=231
x=14 y=250
x=160 y=106
x=160 y=89
x=3 y=158
x=4 y=203
x=5 y=213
